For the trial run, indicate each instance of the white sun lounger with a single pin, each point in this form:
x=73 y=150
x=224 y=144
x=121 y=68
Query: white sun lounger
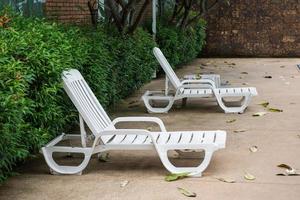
x=106 y=137
x=202 y=88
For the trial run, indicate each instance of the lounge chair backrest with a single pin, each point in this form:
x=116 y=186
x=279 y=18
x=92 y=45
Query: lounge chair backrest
x=166 y=67
x=85 y=101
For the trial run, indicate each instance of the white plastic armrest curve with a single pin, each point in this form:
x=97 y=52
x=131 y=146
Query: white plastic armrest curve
x=203 y=81
x=141 y=119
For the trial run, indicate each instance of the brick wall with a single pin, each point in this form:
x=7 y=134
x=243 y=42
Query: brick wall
x=68 y=11
x=255 y=28
x=76 y=11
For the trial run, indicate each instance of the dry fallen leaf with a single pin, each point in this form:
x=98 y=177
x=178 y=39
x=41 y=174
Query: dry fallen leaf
x=174 y=177
x=264 y=104
x=282 y=66
x=285 y=166
x=289 y=171
x=124 y=183
x=103 y=157
x=227 y=180
x=244 y=72
x=249 y=176
x=239 y=130
x=231 y=121
x=267 y=76
x=253 y=149
x=285 y=174
x=259 y=114
x=275 y=110
x=186 y=192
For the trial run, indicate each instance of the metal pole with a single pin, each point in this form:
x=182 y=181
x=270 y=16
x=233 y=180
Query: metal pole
x=154 y=2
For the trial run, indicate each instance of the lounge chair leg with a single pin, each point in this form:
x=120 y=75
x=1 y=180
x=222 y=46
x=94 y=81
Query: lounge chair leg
x=59 y=169
x=194 y=171
x=234 y=109
x=184 y=100
x=151 y=109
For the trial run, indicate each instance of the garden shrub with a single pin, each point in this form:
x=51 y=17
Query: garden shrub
x=181 y=46
x=33 y=53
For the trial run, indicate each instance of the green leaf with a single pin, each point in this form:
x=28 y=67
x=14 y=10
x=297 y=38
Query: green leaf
x=103 y=157
x=264 y=104
x=249 y=176
x=275 y=110
x=174 y=177
x=186 y=193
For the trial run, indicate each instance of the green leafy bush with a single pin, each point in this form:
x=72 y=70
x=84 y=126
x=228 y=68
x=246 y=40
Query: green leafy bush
x=33 y=53
x=181 y=46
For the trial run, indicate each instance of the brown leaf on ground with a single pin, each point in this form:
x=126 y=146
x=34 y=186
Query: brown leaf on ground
x=226 y=180
x=244 y=72
x=231 y=121
x=253 y=149
x=285 y=166
x=267 y=76
x=186 y=193
x=289 y=171
x=124 y=183
x=239 y=130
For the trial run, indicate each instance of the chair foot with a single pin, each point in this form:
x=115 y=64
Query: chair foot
x=233 y=109
x=194 y=171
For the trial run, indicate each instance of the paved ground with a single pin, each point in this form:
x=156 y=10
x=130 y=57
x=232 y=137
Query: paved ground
x=277 y=136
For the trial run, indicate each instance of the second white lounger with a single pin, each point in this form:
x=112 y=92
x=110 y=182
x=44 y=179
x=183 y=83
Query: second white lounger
x=203 y=88
x=105 y=136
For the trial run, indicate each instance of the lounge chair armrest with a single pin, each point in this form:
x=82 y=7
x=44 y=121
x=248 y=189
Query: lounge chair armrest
x=156 y=120
x=201 y=81
x=194 y=86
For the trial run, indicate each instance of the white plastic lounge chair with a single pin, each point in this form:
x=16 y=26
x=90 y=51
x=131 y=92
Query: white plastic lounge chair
x=201 y=88
x=106 y=137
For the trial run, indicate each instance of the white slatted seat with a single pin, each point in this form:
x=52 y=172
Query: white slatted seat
x=106 y=137
x=206 y=86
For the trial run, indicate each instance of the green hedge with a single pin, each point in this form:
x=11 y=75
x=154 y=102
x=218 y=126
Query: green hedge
x=33 y=53
x=181 y=46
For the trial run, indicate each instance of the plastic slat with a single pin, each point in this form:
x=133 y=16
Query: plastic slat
x=175 y=136
x=118 y=139
x=209 y=137
x=129 y=139
x=197 y=137
x=186 y=138
x=140 y=139
x=220 y=138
